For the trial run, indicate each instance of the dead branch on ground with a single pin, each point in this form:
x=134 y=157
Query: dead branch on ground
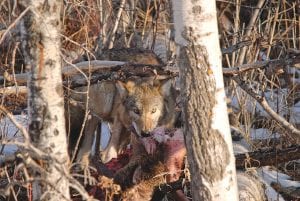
x=261 y=64
x=272 y=156
x=293 y=132
x=102 y=70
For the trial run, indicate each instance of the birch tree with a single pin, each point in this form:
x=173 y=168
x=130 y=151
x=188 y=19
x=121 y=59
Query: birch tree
x=206 y=125
x=41 y=48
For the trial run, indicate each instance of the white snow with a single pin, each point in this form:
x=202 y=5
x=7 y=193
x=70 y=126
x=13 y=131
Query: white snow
x=240 y=147
x=271 y=194
x=105 y=136
x=295 y=110
x=277 y=102
x=9 y=131
x=262 y=133
x=268 y=176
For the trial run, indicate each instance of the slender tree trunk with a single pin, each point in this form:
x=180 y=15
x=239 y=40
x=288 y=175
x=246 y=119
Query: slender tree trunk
x=206 y=126
x=41 y=47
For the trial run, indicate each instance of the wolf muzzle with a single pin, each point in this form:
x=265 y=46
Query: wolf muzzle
x=143 y=134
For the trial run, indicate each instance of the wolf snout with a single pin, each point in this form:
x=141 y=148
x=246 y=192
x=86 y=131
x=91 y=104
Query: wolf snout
x=145 y=133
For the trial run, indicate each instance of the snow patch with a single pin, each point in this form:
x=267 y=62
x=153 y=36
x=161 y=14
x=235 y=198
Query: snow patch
x=9 y=131
x=240 y=147
x=268 y=176
x=105 y=137
x=262 y=133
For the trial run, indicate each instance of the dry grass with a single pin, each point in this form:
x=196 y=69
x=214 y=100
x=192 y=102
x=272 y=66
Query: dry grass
x=250 y=31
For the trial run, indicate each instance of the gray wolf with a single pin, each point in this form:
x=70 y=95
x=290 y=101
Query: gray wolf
x=139 y=105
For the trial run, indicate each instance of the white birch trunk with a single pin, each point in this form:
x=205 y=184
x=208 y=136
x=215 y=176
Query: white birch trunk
x=206 y=125
x=41 y=47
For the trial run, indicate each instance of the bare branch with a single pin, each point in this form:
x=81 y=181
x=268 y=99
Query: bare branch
x=113 y=33
x=293 y=132
x=16 y=123
x=70 y=70
x=233 y=48
x=271 y=156
x=103 y=70
x=260 y=64
x=13 y=90
x=14 y=24
x=249 y=29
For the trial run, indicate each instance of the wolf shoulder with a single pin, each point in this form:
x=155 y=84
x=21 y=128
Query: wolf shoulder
x=102 y=96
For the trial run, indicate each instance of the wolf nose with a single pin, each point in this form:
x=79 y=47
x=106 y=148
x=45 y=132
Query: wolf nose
x=145 y=134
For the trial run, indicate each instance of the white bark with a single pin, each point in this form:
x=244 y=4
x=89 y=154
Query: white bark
x=46 y=104
x=201 y=70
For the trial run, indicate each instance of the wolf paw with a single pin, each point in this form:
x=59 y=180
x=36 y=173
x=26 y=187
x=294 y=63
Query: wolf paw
x=87 y=169
x=88 y=178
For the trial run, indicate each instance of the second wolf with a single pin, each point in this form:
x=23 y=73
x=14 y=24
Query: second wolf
x=140 y=104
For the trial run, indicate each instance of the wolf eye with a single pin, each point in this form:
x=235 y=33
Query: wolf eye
x=153 y=110
x=136 y=111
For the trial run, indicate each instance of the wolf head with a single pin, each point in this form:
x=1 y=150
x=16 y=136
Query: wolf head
x=148 y=104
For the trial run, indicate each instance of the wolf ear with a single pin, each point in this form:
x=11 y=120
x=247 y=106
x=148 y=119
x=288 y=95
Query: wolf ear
x=125 y=88
x=165 y=86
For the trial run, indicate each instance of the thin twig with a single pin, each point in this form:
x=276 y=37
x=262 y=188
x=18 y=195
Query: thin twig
x=14 y=23
x=249 y=29
x=16 y=123
x=293 y=132
x=13 y=65
x=260 y=64
x=273 y=30
x=113 y=33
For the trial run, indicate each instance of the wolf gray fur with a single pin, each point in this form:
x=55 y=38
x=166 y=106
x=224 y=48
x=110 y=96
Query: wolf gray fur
x=143 y=104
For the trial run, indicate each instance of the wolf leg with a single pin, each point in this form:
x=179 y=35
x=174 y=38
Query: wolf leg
x=112 y=149
x=88 y=137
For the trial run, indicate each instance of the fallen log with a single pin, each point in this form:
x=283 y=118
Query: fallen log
x=261 y=64
x=272 y=156
x=101 y=69
x=13 y=90
x=79 y=74
x=119 y=72
x=73 y=69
